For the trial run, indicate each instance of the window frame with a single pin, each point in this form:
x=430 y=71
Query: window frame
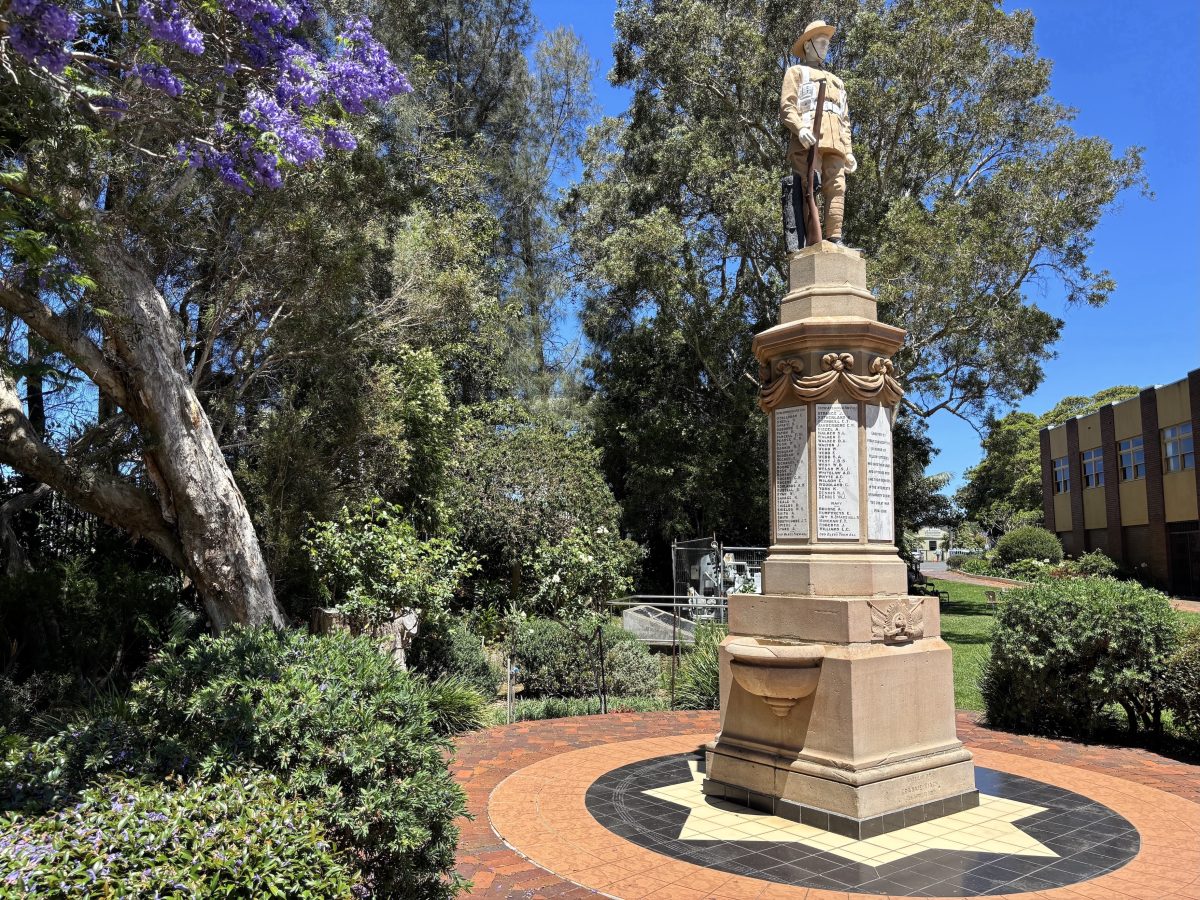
x=1061 y=467
x=1132 y=456
x=1178 y=437
x=1091 y=465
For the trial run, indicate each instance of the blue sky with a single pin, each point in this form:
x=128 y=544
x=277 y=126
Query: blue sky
x=1134 y=80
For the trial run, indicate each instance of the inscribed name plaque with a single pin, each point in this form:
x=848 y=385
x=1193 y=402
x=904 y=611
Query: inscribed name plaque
x=879 y=475
x=837 y=470
x=791 y=472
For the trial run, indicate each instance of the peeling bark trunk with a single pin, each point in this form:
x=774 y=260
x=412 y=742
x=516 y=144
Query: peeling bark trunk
x=221 y=552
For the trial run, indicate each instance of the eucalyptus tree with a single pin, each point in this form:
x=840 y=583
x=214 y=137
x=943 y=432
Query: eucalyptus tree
x=972 y=188
x=168 y=171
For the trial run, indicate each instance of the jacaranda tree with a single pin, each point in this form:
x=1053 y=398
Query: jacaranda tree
x=144 y=149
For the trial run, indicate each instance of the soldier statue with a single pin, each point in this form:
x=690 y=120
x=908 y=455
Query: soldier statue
x=834 y=158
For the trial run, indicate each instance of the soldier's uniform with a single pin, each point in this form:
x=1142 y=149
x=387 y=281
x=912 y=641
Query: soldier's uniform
x=797 y=109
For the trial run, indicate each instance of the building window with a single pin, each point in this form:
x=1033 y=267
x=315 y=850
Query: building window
x=1177 y=443
x=1133 y=459
x=1062 y=476
x=1093 y=468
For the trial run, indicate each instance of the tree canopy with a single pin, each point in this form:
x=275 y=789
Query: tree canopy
x=972 y=188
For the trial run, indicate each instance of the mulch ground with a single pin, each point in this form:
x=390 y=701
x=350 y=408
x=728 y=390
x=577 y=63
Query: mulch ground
x=486 y=758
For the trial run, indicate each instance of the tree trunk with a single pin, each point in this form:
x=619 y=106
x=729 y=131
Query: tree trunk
x=220 y=548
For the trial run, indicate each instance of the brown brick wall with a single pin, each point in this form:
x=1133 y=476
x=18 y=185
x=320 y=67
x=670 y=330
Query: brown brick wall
x=1155 y=505
x=1078 y=543
x=1047 y=481
x=1194 y=400
x=1115 y=543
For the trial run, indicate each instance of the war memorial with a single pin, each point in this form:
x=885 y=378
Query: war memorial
x=837 y=768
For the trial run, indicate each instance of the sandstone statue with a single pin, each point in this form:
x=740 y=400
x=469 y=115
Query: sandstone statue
x=827 y=130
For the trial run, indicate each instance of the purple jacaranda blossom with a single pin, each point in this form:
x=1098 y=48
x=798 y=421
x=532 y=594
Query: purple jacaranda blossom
x=161 y=78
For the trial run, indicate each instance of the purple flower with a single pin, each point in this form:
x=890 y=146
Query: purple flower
x=166 y=22
x=160 y=78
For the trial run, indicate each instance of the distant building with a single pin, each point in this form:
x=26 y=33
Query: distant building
x=931 y=543
x=1123 y=480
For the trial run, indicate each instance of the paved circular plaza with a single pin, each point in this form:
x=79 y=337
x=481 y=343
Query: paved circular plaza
x=612 y=806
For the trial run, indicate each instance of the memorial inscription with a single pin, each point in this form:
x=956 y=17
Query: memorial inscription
x=791 y=472
x=880 y=512
x=837 y=471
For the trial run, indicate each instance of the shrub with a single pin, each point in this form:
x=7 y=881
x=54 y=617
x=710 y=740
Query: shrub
x=237 y=836
x=1062 y=650
x=21 y=702
x=631 y=670
x=1028 y=570
x=581 y=572
x=561 y=659
x=565 y=707
x=698 y=682
x=977 y=565
x=956 y=561
x=1093 y=563
x=90 y=618
x=1183 y=684
x=331 y=717
x=455 y=652
x=1028 y=542
x=456 y=705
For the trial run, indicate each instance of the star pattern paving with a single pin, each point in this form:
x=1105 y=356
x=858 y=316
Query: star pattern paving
x=987 y=828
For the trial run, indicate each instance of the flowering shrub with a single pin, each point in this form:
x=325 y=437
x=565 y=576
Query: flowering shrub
x=1064 y=649
x=248 y=88
x=581 y=572
x=331 y=718
x=239 y=835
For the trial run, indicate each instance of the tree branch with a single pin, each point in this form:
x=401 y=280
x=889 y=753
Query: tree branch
x=112 y=499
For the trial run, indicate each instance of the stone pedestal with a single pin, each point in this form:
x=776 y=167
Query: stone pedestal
x=837 y=693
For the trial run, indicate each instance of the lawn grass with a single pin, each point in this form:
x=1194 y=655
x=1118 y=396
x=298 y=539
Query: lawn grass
x=967 y=628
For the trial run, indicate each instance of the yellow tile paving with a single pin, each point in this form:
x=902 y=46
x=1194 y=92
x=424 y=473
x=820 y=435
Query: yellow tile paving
x=988 y=828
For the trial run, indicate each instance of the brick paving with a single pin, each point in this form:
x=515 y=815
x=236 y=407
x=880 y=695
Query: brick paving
x=484 y=759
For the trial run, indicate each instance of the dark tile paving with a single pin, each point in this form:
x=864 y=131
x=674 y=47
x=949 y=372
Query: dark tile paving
x=485 y=758
x=1090 y=840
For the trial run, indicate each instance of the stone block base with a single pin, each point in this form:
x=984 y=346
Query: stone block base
x=855 y=804
x=858 y=829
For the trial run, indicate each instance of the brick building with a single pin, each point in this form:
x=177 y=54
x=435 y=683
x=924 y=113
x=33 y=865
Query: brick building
x=1123 y=480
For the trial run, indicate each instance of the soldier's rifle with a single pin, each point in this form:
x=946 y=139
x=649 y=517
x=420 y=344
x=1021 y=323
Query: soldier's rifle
x=812 y=230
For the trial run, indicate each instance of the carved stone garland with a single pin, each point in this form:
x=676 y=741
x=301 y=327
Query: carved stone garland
x=783 y=380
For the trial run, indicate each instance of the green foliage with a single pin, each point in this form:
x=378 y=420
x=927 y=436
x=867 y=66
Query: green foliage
x=1063 y=650
x=1029 y=542
x=522 y=483
x=580 y=573
x=978 y=565
x=698 y=682
x=1028 y=570
x=239 y=835
x=561 y=659
x=1004 y=491
x=681 y=254
x=92 y=618
x=331 y=717
x=454 y=652
x=1094 y=563
x=631 y=670
x=22 y=701
x=370 y=563
x=1182 y=684
x=457 y=705
x=956 y=562
x=528 y=710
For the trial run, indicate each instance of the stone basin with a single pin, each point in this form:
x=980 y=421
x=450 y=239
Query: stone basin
x=781 y=674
